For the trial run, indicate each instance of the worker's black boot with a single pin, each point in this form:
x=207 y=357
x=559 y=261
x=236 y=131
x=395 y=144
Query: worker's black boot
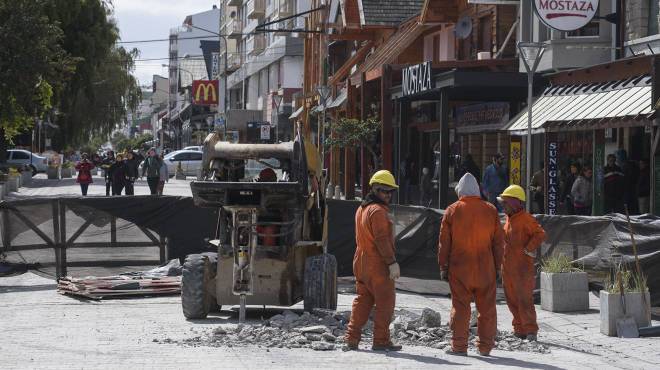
x=390 y=347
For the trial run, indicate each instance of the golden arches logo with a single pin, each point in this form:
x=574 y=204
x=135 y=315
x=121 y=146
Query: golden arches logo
x=206 y=92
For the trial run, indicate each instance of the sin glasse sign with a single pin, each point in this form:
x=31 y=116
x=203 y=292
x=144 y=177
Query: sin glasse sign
x=566 y=15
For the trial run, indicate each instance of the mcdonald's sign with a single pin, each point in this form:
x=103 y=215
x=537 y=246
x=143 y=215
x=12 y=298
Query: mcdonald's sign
x=205 y=92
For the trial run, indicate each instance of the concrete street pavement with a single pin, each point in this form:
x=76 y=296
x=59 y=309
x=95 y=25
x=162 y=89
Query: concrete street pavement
x=44 y=330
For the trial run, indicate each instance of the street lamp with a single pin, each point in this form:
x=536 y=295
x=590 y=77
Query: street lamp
x=324 y=93
x=530 y=53
x=277 y=100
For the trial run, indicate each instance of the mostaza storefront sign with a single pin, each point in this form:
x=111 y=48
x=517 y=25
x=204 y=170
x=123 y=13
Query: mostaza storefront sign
x=416 y=79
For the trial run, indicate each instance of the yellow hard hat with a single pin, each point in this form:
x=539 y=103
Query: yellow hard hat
x=383 y=177
x=514 y=191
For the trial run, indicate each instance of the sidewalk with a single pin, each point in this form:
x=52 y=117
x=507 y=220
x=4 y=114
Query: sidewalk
x=42 y=329
x=41 y=186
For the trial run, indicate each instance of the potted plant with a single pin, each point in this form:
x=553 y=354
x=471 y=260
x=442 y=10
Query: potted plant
x=67 y=170
x=14 y=180
x=564 y=287
x=179 y=172
x=636 y=296
x=53 y=171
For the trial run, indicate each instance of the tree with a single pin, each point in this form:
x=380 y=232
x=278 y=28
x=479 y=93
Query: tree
x=353 y=133
x=33 y=67
x=102 y=90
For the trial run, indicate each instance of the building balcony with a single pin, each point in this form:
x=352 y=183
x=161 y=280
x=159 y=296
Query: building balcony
x=256 y=44
x=233 y=62
x=256 y=9
x=235 y=3
x=235 y=28
x=286 y=8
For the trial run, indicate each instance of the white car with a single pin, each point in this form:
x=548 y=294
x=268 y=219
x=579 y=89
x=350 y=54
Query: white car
x=197 y=148
x=191 y=161
x=22 y=157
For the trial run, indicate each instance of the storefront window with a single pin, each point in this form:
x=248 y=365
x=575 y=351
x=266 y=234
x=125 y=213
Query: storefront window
x=654 y=9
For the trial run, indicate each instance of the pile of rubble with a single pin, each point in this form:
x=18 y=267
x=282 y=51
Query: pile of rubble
x=324 y=330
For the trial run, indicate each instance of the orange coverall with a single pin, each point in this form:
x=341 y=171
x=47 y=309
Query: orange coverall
x=518 y=273
x=470 y=249
x=375 y=252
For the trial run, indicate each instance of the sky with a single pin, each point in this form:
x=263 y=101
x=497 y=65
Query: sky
x=152 y=19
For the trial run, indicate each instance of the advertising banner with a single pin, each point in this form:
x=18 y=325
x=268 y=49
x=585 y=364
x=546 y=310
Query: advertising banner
x=566 y=15
x=515 y=161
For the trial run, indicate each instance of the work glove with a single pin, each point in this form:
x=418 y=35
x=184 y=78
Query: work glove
x=395 y=271
x=444 y=275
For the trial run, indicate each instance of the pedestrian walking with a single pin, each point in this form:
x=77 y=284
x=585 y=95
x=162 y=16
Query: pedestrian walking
x=614 y=186
x=118 y=175
x=131 y=173
x=644 y=186
x=84 y=178
x=106 y=164
x=581 y=193
x=151 y=168
x=470 y=256
x=522 y=237
x=469 y=166
x=495 y=180
x=164 y=175
x=374 y=265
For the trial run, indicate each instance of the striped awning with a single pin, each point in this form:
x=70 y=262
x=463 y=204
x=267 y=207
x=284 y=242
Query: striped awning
x=583 y=106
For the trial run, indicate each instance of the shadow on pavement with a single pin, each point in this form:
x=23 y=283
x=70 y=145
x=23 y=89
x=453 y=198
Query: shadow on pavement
x=423 y=359
x=505 y=361
x=28 y=288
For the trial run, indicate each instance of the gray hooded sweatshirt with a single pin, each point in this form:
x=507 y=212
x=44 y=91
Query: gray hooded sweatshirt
x=468 y=187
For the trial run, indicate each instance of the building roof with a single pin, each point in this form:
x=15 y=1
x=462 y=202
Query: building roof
x=388 y=12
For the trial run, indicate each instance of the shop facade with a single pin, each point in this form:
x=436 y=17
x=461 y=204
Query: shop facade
x=588 y=114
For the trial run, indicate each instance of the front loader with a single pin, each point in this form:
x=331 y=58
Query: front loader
x=269 y=237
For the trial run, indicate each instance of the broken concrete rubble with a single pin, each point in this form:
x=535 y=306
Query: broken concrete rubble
x=324 y=330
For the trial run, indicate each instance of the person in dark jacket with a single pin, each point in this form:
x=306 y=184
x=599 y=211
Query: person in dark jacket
x=131 y=173
x=630 y=171
x=84 y=178
x=469 y=166
x=426 y=187
x=614 y=186
x=644 y=186
x=105 y=165
x=118 y=175
x=151 y=168
x=569 y=180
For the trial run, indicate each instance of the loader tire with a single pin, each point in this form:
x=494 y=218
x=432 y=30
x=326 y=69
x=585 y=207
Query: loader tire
x=320 y=282
x=198 y=271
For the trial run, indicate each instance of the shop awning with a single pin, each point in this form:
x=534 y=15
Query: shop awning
x=341 y=99
x=601 y=105
x=296 y=113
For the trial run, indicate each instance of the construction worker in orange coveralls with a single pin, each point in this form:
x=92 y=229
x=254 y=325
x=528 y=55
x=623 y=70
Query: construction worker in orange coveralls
x=470 y=256
x=374 y=265
x=522 y=236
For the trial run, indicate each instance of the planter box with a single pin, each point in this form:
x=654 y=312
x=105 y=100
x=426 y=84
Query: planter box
x=53 y=173
x=66 y=173
x=12 y=184
x=27 y=178
x=564 y=292
x=611 y=309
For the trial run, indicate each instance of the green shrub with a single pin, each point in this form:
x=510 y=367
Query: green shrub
x=558 y=263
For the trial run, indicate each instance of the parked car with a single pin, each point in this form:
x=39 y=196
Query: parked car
x=196 y=148
x=20 y=157
x=191 y=162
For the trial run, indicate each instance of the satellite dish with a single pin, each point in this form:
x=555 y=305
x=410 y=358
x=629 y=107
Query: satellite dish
x=463 y=27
